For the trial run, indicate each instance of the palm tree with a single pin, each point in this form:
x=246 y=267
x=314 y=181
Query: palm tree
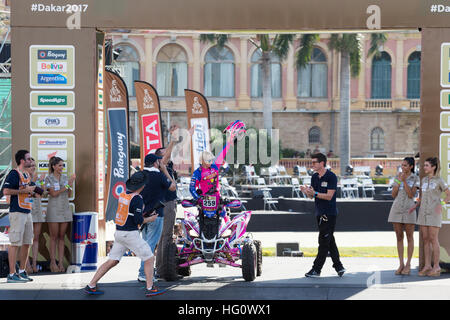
x=350 y=48
x=268 y=46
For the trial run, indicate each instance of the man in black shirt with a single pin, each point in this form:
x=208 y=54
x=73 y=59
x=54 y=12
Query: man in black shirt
x=158 y=181
x=323 y=190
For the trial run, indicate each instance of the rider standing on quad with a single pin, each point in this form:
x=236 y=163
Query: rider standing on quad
x=206 y=177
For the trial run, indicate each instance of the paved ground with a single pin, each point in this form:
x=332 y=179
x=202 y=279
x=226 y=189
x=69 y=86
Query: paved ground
x=343 y=239
x=282 y=279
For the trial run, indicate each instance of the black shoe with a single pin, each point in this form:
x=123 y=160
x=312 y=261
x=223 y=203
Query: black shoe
x=341 y=271
x=312 y=274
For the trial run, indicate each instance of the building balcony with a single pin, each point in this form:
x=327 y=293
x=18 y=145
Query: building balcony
x=392 y=104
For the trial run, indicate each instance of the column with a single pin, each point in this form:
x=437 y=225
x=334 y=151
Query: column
x=399 y=70
x=149 y=58
x=197 y=66
x=291 y=99
x=243 y=99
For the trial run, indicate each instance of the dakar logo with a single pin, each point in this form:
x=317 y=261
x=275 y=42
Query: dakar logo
x=197 y=107
x=114 y=93
x=148 y=101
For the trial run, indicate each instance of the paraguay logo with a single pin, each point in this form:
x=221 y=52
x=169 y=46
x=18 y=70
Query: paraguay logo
x=118 y=188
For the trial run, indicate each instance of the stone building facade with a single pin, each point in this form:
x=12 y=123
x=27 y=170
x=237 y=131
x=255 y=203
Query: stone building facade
x=385 y=97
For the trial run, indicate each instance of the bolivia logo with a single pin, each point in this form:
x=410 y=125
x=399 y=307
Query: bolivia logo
x=118 y=188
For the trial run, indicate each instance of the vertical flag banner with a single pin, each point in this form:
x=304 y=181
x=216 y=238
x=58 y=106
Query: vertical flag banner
x=198 y=115
x=116 y=104
x=149 y=117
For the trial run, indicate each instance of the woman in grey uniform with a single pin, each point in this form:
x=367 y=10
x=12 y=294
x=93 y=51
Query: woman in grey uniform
x=37 y=215
x=58 y=211
x=430 y=214
x=404 y=189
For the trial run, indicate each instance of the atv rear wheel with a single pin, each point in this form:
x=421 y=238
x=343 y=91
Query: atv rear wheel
x=249 y=261
x=258 y=257
x=169 y=272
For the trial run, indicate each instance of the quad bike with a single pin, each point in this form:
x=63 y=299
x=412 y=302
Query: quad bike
x=209 y=239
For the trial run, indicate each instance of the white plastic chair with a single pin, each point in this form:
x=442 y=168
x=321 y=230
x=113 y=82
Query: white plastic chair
x=367 y=185
x=296 y=188
x=349 y=188
x=268 y=200
x=250 y=175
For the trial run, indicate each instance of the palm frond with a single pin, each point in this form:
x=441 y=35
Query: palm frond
x=281 y=45
x=376 y=40
x=306 y=48
x=219 y=39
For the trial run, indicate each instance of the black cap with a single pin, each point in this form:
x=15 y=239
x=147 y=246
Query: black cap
x=136 y=181
x=150 y=159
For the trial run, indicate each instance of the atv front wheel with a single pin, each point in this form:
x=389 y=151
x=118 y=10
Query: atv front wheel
x=249 y=261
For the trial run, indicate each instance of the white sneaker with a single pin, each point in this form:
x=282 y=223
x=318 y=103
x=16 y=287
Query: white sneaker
x=142 y=279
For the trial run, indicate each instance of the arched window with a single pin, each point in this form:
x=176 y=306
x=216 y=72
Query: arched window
x=219 y=73
x=171 y=71
x=381 y=77
x=312 y=80
x=314 y=135
x=413 y=91
x=377 y=139
x=256 y=74
x=126 y=59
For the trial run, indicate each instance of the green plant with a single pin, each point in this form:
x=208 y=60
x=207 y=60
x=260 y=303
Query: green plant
x=380 y=180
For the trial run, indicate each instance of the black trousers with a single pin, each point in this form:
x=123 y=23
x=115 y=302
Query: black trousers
x=327 y=244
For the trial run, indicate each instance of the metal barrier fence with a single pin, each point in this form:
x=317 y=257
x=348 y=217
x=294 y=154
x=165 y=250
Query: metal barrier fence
x=389 y=165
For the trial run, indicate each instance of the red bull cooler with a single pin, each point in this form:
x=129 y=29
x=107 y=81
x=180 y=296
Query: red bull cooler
x=84 y=240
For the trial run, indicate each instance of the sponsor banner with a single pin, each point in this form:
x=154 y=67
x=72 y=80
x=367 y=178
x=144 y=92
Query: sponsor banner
x=118 y=167
x=445 y=65
x=47 y=154
x=116 y=104
x=52 y=100
x=444 y=158
x=52 y=67
x=200 y=139
x=197 y=109
x=52 y=55
x=149 y=115
x=46 y=145
x=151 y=134
x=60 y=122
x=100 y=99
x=445 y=121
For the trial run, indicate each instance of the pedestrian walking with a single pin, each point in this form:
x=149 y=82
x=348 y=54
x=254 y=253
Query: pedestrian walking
x=430 y=215
x=20 y=188
x=158 y=181
x=404 y=190
x=129 y=217
x=59 y=214
x=323 y=190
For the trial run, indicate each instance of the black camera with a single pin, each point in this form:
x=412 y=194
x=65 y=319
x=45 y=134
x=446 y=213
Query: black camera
x=39 y=191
